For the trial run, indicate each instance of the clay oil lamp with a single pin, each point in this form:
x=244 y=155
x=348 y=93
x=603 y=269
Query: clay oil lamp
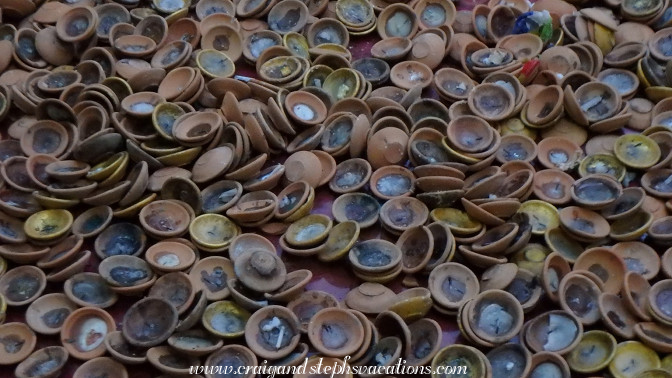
x=579 y=295
x=359 y=207
x=542 y=216
x=92 y=221
x=657 y=303
x=211 y=274
x=213 y=232
x=626 y=82
x=565 y=329
x=604 y=263
x=260 y=270
x=169 y=361
x=220 y=196
x=19 y=342
x=549 y=364
x=495 y=240
x=401 y=213
x=375 y=257
x=425 y=341
x=89 y=290
x=148 y=322
x=491 y=102
x=370 y=298
x=47 y=362
x=633 y=357
x=593 y=353
x=308 y=231
x=122 y=351
x=45 y=137
x=553 y=186
x=637 y=151
x=303 y=165
x=167 y=256
x=272 y=332
x=558 y=152
x=120 y=239
x=295 y=283
x=412 y=304
x=631 y=228
x=309 y=303
x=596 y=191
x=48 y=226
x=47 y=313
x=654 y=335
x=626 y=205
x=495 y=316
x=225 y=319
x=656 y=183
x=340 y=240
x=164 y=219
x=305 y=108
x=392 y=181
x=248 y=241
x=176 y=288
x=254 y=207
x=22 y=285
x=454 y=356
x=592 y=102
x=606 y=164
x=126 y=274
x=635 y=294
x=506 y=354
x=516 y=148
x=98 y=364
x=336 y=332
x=233 y=355
x=583 y=224
x=616 y=317
x=23 y=253
x=639 y=258
x=84 y=331
x=295 y=201
x=61 y=253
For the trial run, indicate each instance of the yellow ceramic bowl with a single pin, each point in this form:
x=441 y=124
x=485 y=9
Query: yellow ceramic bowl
x=637 y=151
x=633 y=358
x=48 y=224
x=103 y=170
x=133 y=209
x=213 y=231
x=455 y=356
x=593 y=353
x=341 y=238
x=543 y=215
x=602 y=164
x=181 y=158
x=48 y=202
x=225 y=319
x=458 y=221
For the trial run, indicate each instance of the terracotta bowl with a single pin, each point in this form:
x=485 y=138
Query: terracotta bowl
x=88 y=327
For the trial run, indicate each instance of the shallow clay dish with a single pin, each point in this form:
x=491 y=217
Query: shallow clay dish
x=149 y=322
x=336 y=332
x=261 y=335
x=92 y=367
x=359 y=207
x=18 y=340
x=22 y=285
x=211 y=274
x=89 y=290
x=84 y=331
x=48 y=361
x=401 y=213
x=47 y=313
